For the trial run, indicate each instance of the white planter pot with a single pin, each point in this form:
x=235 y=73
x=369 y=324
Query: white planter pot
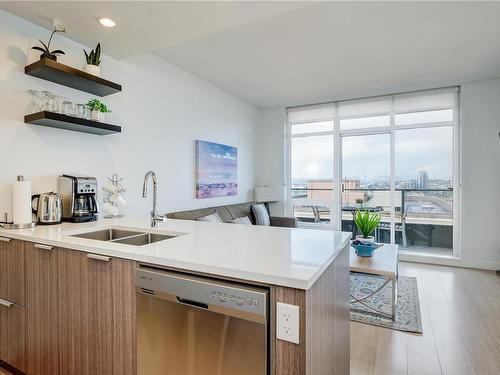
x=365 y=239
x=96 y=115
x=93 y=69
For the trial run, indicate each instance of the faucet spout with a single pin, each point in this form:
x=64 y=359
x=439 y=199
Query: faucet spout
x=155 y=218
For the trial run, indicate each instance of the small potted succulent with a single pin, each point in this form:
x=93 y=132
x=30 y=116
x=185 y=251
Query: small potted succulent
x=93 y=59
x=46 y=52
x=366 y=222
x=98 y=110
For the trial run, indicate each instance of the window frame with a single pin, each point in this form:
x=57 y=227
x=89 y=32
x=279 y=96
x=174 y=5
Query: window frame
x=391 y=129
x=289 y=203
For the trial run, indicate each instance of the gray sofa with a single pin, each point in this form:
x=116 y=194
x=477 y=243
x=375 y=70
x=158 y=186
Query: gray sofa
x=228 y=213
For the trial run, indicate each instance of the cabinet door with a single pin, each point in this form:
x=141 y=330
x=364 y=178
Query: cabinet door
x=12 y=270
x=13 y=336
x=73 y=313
x=97 y=315
x=42 y=308
x=112 y=316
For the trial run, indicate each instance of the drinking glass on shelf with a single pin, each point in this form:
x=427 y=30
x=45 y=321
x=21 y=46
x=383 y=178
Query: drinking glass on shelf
x=35 y=104
x=68 y=107
x=81 y=111
x=59 y=103
x=50 y=103
x=88 y=113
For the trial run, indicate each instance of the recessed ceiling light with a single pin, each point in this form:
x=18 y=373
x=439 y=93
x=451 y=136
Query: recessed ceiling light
x=107 y=22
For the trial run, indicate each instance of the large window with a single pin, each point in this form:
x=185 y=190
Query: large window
x=311 y=163
x=394 y=154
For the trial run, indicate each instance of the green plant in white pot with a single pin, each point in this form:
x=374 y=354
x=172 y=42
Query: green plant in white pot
x=93 y=59
x=366 y=222
x=98 y=110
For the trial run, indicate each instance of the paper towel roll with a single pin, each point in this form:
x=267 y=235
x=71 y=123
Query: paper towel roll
x=21 y=201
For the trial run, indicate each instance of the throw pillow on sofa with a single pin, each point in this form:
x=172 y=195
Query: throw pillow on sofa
x=213 y=218
x=242 y=220
x=261 y=214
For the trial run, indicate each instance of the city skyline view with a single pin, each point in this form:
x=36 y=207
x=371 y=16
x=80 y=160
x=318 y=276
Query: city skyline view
x=367 y=157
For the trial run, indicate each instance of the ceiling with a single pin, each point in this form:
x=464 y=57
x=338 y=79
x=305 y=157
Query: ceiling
x=144 y=26
x=288 y=53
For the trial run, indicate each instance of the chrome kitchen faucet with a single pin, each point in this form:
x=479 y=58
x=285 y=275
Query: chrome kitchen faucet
x=155 y=218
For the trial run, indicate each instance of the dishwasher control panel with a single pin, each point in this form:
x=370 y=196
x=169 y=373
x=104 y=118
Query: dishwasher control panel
x=225 y=298
x=201 y=292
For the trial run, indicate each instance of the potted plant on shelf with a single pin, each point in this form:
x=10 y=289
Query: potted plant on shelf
x=46 y=52
x=98 y=110
x=366 y=222
x=93 y=59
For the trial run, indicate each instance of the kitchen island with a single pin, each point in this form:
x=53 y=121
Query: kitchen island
x=302 y=267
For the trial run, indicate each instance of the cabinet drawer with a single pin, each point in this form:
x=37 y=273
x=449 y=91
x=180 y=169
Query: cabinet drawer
x=12 y=284
x=13 y=335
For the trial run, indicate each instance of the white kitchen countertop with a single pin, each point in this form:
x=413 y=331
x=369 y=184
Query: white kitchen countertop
x=288 y=257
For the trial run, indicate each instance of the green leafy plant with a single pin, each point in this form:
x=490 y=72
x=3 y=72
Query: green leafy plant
x=46 y=52
x=366 y=222
x=97 y=105
x=94 y=56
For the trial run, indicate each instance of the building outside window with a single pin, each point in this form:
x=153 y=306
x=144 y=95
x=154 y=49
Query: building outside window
x=395 y=154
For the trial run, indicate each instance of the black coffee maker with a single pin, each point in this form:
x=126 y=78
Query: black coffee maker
x=79 y=198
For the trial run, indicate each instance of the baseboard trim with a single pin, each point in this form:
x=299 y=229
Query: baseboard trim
x=448 y=261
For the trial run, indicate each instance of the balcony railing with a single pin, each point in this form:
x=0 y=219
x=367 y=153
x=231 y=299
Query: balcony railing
x=423 y=217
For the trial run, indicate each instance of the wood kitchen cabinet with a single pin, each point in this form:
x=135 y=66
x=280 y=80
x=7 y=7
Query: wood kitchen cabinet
x=79 y=316
x=12 y=336
x=12 y=275
x=42 y=308
x=97 y=314
x=12 y=299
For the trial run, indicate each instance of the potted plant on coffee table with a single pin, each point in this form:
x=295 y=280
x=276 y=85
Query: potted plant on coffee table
x=366 y=222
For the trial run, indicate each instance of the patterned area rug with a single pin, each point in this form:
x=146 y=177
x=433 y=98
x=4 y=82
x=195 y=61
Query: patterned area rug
x=407 y=310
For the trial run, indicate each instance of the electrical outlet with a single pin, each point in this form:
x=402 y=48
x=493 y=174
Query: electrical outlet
x=287 y=322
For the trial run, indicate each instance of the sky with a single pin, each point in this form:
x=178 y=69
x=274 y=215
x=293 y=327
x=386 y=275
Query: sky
x=368 y=156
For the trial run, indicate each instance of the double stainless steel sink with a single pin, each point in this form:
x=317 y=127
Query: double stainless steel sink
x=126 y=237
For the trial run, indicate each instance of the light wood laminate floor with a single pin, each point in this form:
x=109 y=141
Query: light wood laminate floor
x=461 y=320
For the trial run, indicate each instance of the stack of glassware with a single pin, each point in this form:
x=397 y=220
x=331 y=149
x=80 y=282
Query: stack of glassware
x=50 y=102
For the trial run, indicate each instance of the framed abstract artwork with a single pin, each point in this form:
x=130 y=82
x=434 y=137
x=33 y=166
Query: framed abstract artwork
x=216 y=170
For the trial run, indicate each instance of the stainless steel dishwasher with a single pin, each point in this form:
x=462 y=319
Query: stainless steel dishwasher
x=190 y=325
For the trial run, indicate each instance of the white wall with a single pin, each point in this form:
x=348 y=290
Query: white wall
x=162 y=110
x=480 y=106
x=270 y=154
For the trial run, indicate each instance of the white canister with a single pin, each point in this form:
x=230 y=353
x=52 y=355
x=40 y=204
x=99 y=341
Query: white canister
x=21 y=201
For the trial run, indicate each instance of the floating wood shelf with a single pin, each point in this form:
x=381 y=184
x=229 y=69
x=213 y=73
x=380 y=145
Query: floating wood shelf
x=60 y=121
x=65 y=75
